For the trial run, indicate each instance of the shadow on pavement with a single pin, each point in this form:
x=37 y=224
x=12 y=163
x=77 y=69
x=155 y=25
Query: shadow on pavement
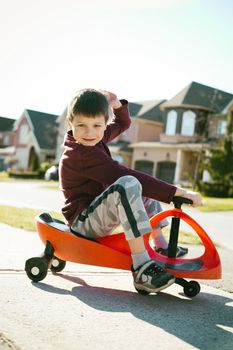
x=201 y=321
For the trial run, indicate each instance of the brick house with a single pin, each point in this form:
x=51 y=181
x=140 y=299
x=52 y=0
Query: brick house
x=35 y=139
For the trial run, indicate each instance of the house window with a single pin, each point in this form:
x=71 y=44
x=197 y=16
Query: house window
x=188 y=123
x=6 y=140
x=222 y=127
x=23 y=134
x=171 y=123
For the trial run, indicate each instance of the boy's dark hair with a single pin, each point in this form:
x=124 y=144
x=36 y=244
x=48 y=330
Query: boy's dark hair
x=88 y=102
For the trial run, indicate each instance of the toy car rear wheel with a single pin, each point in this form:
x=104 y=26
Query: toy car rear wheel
x=36 y=268
x=191 y=289
x=142 y=292
x=57 y=264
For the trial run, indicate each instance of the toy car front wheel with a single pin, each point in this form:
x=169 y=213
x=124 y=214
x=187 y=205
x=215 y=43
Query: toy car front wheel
x=191 y=289
x=57 y=265
x=36 y=268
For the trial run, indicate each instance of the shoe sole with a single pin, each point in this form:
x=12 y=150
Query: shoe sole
x=154 y=290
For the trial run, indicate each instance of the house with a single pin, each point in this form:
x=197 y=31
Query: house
x=35 y=139
x=195 y=119
x=6 y=142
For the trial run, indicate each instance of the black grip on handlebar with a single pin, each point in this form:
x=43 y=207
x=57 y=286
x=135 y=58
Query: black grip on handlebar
x=178 y=201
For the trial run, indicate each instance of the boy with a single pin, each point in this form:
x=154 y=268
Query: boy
x=100 y=193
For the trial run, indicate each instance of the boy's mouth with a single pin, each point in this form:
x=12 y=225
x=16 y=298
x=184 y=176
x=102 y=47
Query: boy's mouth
x=88 y=140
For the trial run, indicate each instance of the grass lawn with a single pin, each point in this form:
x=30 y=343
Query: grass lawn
x=22 y=217
x=216 y=204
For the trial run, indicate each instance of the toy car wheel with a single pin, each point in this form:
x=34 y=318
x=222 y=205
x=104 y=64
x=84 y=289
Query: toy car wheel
x=142 y=292
x=57 y=264
x=191 y=289
x=36 y=268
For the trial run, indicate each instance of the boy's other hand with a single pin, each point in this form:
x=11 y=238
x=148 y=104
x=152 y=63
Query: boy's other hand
x=113 y=101
x=194 y=196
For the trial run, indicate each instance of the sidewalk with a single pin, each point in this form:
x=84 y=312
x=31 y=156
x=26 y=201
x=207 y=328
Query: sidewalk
x=86 y=307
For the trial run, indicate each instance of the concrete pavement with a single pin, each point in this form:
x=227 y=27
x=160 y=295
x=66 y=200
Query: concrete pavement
x=85 y=307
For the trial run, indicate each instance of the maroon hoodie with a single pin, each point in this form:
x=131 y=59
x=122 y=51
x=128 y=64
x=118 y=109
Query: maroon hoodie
x=86 y=171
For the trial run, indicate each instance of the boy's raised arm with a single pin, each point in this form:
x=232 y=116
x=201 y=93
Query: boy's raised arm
x=113 y=101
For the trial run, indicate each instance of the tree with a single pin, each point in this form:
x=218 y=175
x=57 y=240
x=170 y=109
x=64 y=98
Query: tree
x=219 y=163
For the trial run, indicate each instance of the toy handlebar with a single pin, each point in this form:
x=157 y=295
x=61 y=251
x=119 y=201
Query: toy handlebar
x=178 y=201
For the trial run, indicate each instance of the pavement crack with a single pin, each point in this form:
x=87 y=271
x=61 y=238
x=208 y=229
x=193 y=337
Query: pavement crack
x=7 y=343
x=11 y=270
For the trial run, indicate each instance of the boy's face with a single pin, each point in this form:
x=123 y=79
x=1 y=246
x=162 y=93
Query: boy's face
x=87 y=130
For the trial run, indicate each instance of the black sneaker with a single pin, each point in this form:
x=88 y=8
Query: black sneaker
x=151 y=278
x=180 y=251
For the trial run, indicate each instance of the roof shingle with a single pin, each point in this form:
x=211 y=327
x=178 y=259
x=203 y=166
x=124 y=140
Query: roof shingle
x=45 y=128
x=6 y=124
x=196 y=95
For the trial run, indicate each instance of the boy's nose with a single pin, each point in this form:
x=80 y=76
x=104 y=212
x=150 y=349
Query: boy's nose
x=89 y=131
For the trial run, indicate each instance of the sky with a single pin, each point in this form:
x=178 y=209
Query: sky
x=138 y=49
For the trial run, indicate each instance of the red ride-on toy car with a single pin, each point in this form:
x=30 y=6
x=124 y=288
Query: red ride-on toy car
x=112 y=251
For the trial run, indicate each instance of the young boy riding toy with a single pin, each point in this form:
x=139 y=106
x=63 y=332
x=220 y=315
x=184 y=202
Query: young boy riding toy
x=101 y=194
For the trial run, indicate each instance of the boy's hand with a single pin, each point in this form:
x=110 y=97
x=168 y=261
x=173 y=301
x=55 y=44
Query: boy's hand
x=194 y=196
x=113 y=101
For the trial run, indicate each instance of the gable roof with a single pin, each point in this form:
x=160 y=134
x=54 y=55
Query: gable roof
x=44 y=128
x=196 y=95
x=6 y=124
x=147 y=110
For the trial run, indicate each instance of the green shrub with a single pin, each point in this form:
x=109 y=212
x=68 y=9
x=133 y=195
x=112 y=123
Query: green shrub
x=45 y=166
x=24 y=174
x=215 y=189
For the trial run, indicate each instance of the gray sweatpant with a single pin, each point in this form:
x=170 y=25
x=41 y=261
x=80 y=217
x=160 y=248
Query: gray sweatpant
x=121 y=203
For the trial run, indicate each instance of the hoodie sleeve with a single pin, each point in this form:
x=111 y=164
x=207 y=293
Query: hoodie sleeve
x=103 y=169
x=120 y=123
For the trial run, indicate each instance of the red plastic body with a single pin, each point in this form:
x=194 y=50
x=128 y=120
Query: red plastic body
x=113 y=251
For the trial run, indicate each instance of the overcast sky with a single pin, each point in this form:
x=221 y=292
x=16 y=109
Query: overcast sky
x=139 y=49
